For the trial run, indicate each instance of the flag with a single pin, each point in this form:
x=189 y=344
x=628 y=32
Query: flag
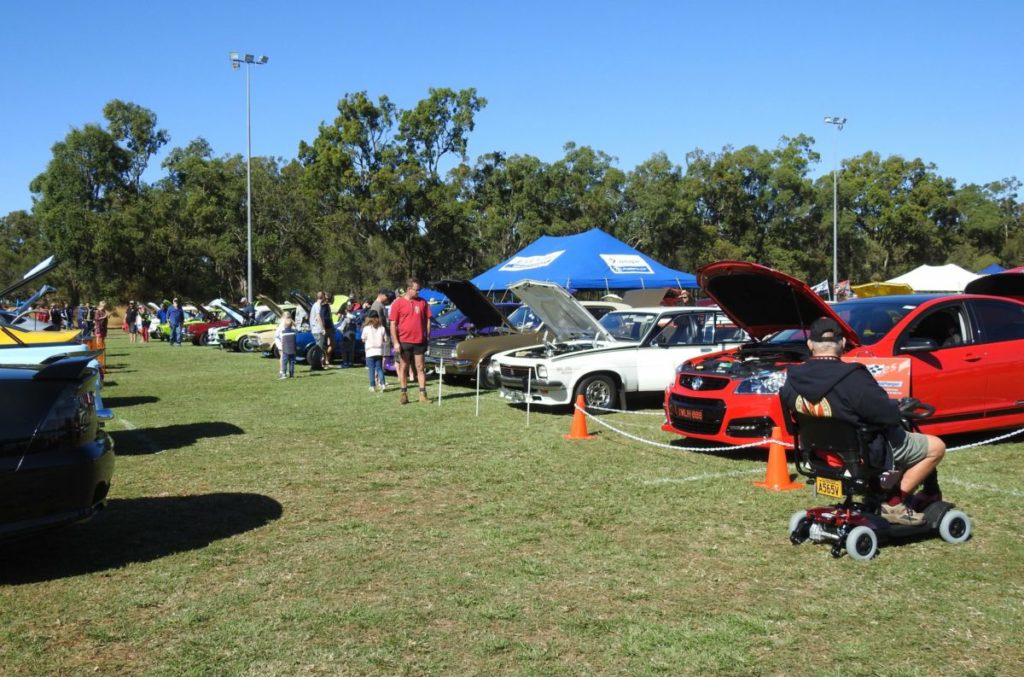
x=821 y=289
x=843 y=290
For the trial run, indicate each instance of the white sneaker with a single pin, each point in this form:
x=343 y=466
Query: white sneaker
x=282 y=377
x=372 y=389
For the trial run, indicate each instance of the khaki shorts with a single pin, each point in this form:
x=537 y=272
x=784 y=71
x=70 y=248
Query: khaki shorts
x=913 y=450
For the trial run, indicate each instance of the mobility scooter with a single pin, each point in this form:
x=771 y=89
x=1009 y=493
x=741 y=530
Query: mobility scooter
x=839 y=459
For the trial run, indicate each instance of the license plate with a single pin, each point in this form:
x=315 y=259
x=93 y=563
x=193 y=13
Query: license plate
x=824 y=486
x=514 y=395
x=688 y=414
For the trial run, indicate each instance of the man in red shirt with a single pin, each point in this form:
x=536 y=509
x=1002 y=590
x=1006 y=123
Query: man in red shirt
x=410 y=330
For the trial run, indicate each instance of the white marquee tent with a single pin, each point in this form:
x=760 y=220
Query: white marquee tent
x=949 y=278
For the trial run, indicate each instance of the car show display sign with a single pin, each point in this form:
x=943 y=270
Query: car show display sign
x=892 y=373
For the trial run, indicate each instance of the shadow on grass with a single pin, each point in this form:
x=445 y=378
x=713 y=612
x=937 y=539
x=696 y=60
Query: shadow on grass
x=178 y=436
x=134 y=530
x=130 y=401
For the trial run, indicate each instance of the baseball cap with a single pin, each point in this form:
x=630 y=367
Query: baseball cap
x=826 y=329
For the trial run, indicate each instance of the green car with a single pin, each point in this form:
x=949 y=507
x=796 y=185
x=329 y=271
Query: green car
x=237 y=338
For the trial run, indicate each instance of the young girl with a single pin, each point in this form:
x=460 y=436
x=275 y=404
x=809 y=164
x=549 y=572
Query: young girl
x=284 y=337
x=373 y=342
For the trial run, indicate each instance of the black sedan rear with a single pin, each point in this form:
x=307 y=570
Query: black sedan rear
x=56 y=462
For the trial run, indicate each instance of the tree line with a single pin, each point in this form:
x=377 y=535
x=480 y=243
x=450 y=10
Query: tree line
x=384 y=193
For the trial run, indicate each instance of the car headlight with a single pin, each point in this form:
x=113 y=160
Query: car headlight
x=542 y=371
x=762 y=384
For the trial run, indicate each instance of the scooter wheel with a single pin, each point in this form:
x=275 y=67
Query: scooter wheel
x=799 y=527
x=862 y=543
x=955 y=526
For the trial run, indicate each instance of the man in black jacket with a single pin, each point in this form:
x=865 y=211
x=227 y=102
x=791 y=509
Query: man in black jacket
x=824 y=385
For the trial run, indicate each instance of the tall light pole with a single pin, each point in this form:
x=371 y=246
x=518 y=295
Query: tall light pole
x=236 y=62
x=838 y=122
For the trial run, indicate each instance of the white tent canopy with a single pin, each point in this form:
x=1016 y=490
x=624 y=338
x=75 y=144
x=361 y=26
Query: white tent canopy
x=950 y=278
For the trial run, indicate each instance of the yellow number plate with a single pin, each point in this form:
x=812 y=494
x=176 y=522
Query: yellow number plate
x=823 y=486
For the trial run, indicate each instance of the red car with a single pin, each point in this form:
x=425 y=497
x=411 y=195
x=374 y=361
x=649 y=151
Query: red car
x=197 y=332
x=963 y=353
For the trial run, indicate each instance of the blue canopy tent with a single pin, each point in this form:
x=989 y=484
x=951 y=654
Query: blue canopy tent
x=590 y=260
x=990 y=270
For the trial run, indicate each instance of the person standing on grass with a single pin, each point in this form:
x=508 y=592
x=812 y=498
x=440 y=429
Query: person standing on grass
x=144 y=319
x=316 y=325
x=327 y=318
x=176 y=321
x=410 y=329
x=131 y=318
x=284 y=337
x=100 y=323
x=373 y=342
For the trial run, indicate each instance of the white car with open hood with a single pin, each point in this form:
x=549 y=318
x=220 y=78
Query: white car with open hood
x=628 y=351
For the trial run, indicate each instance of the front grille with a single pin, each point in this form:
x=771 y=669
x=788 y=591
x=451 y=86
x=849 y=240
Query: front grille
x=515 y=372
x=441 y=352
x=711 y=413
x=702 y=383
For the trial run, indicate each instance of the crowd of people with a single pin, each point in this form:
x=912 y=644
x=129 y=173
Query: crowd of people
x=390 y=325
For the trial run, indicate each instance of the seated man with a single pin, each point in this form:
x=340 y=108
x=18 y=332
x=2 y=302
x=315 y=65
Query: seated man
x=824 y=385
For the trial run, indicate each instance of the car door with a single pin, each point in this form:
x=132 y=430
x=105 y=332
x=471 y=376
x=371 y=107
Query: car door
x=1000 y=335
x=951 y=376
x=675 y=338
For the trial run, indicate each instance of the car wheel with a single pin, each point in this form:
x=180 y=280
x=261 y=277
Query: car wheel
x=598 y=391
x=485 y=374
x=799 y=527
x=203 y=339
x=955 y=527
x=273 y=351
x=315 y=358
x=862 y=543
x=246 y=344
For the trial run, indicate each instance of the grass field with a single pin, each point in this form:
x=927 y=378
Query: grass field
x=310 y=527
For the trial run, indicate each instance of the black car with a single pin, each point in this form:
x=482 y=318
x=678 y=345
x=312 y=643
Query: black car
x=56 y=461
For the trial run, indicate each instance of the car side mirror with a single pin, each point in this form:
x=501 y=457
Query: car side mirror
x=919 y=345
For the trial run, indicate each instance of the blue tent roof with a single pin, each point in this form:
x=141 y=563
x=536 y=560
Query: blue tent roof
x=994 y=268
x=590 y=260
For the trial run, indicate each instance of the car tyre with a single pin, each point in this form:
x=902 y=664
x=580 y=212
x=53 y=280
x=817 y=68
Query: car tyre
x=862 y=543
x=315 y=357
x=203 y=339
x=599 y=391
x=955 y=527
x=246 y=344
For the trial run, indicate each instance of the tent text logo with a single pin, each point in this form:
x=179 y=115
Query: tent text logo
x=517 y=263
x=626 y=264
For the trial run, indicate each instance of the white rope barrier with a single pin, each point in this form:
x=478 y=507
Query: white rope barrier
x=759 y=443
x=662 y=445
x=627 y=411
x=984 y=442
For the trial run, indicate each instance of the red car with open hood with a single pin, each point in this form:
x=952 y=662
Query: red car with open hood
x=962 y=352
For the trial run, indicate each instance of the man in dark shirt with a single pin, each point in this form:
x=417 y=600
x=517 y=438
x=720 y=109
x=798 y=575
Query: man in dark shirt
x=824 y=385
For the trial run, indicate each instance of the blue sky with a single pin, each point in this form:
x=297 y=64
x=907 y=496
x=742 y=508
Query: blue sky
x=937 y=80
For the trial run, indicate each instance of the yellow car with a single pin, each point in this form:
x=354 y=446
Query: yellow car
x=13 y=336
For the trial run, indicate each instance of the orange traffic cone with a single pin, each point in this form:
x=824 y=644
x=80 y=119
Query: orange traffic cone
x=777 y=477
x=578 y=431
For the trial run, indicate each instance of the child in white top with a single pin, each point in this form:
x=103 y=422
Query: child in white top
x=373 y=345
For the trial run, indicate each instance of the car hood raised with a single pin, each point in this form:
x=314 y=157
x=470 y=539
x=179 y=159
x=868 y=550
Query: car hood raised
x=1010 y=285
x=472 y=302
x=562 y=315
x=763 y=301
x=41 y=268
x=231 y=311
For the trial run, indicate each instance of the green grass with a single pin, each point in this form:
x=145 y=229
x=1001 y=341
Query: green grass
x=310 y=527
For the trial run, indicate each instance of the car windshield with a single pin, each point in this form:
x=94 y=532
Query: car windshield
x=871 y=318
x=627 y=325
x=524 y=319
x=449 y=318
